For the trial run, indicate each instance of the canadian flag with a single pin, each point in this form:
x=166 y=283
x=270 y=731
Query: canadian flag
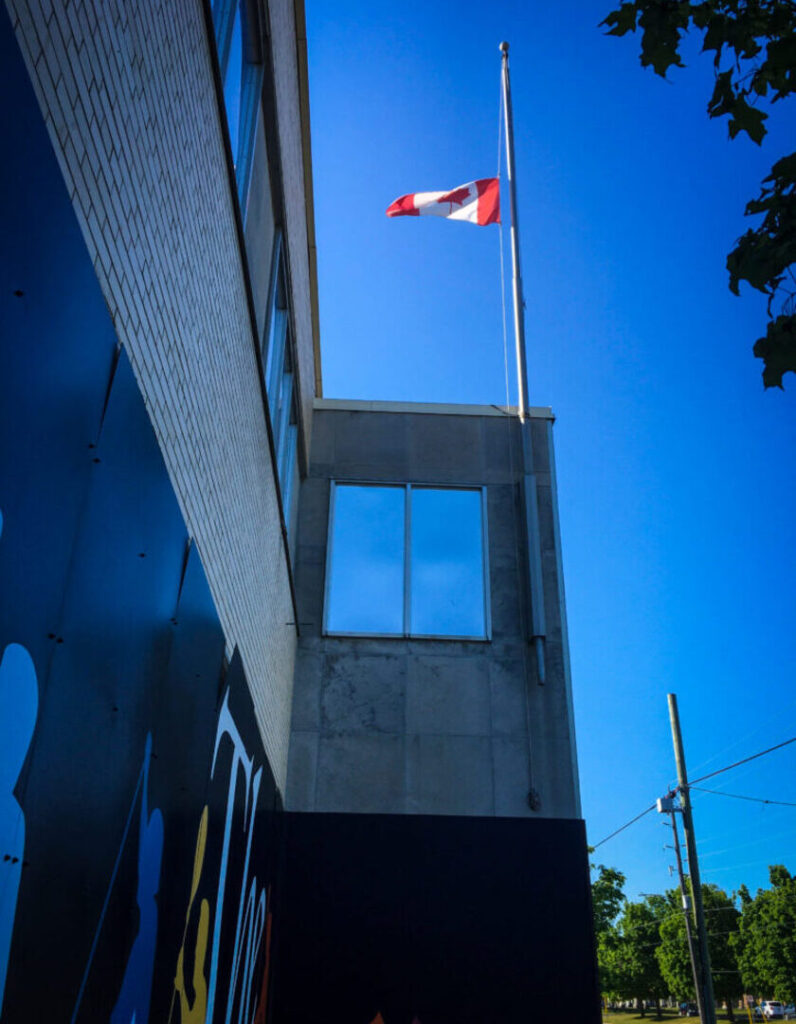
x=477 y=201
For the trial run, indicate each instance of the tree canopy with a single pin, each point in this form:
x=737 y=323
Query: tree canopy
x=673 y=956
x=638 y=970
x=607 y=896
x=766 y=941
x=754 y=48
x=642 y=947
x=607 y=899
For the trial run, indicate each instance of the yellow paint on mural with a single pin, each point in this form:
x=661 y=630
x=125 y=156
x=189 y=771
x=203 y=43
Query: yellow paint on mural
x=196 y=1011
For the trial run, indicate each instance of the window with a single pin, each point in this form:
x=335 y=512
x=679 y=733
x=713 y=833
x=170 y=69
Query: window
x=280 y=385
x=407 y=560
x=241 y=73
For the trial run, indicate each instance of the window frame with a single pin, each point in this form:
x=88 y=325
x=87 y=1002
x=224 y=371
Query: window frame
x=224 y=13
x=408 y=486
x=278 y=358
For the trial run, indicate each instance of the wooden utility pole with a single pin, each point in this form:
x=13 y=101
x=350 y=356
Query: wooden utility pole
x=686 y=900
x=708 y=1004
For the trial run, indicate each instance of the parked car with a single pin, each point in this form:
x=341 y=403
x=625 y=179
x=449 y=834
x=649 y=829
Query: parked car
x=790 y=1011
x=772 y=1009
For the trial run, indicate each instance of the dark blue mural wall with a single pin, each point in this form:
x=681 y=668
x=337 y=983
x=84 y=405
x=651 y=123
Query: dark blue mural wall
x=137 y=807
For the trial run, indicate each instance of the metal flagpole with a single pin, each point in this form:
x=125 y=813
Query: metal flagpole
x=537 y=623
x=519 y=304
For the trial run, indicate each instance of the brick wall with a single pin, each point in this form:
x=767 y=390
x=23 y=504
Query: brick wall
x=129 y=101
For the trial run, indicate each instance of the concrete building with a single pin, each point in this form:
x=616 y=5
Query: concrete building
x=427 y=725
x=273 y=738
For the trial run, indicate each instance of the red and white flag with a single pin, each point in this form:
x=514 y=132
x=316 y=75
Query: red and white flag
x=477 y=201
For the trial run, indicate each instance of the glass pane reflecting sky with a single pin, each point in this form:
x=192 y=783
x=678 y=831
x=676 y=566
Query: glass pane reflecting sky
x=234 y=82
x=447 y=563
x=366 y=582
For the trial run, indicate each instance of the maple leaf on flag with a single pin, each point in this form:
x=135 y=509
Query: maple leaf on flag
x=477 y=202
x=456 y=197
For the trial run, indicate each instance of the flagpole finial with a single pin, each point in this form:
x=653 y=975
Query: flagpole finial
x=504 y=47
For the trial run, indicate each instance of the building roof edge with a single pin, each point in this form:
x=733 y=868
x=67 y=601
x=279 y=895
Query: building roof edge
x=309 y=199
x=542 y=412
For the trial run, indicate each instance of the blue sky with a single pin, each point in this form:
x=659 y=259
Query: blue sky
x=676 y=470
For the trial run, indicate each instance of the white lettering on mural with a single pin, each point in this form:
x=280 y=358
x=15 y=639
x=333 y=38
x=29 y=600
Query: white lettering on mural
x=249 y=929
x=251 y=905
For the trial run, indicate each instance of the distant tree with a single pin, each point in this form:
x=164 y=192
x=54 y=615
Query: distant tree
x=638 y=972
x=611 y=966
x=754 y=47
x=673 y=956
x=607 y=898
x=766 y=942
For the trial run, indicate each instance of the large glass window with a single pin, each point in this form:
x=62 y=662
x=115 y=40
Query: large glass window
x=366 y=591
x=446 y=562
x=280 y=385
x=241 y=73
x=407 y=560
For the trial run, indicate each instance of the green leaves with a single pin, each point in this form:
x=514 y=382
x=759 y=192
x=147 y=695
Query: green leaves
x=743 y=116
x=766 y=943
x=764 y=257
x=759 y=39
x=607 y=896
x=777 y=350
x=673 y=957
x=639 y=928
x=663 y=23
x=747 y=119
x=622 y=20
x=607 y=899
x=723 y=98
x=643 y=952
x=780 y=65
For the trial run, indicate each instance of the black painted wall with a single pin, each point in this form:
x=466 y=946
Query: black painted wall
x=436 y=920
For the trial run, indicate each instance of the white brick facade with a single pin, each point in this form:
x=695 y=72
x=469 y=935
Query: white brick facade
x=128 y=95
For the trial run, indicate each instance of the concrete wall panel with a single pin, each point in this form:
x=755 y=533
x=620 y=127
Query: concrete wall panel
x=433 y=726
x=450 y=775
x=361 y=773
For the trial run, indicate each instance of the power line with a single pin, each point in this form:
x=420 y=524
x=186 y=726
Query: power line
x=626 y=825
x=784 y=712
x=660 y=942
x=676 y=914
x=743 y=760
x=745 y=846
x=702 y=778
x=737 y=796
x=735 y=867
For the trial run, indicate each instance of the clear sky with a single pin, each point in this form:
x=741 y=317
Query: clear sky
x=677 y=477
